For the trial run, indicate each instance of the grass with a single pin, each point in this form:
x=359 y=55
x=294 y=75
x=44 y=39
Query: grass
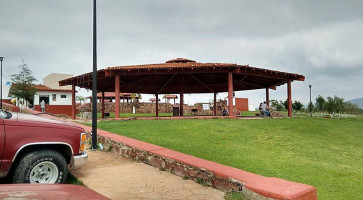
x=73 y=180
x=234 y=196
x=325 y=153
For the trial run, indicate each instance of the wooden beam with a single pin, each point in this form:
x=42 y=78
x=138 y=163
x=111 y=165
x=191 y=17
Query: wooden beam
x=201 y=82
x=166 y=83
x=73 y=101
x=103 y=105
x=269 y=73
x=230 y=94
x=289 y=100
x=157 y=105
x=117 y=96
x=243 y=78
x=267 y=97
x=182 y=97
x=215 y=104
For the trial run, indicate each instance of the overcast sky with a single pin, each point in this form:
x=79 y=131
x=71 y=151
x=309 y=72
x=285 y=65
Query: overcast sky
x=322 y=40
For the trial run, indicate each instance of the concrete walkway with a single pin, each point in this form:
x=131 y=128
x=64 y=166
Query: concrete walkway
x=120 y=178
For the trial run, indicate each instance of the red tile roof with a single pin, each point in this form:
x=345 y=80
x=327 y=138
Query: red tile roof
x=180 y=60
x=186 y=65
x=153 y=99
x=170 y=96
x=46 y=88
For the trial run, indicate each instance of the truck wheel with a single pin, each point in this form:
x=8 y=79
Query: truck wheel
x=41 y=166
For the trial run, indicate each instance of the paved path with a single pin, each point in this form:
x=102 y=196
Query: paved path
x=120 y=178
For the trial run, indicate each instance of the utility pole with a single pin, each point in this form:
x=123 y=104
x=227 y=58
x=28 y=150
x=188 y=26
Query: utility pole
x=1 y=88
x=94 y=80
x=310 y=105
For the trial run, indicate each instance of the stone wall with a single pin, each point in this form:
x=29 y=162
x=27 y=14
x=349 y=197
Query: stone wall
x=142 y=107
x=127 y=107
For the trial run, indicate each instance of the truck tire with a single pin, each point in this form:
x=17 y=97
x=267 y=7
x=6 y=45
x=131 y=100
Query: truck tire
x=41 y=166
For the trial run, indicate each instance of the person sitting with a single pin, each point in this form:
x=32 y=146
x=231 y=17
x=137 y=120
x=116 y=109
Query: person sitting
x=224 y=112
x=265 y=110
x=260 y=109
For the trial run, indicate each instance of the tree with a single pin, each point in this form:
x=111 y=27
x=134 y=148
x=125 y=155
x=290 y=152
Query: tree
x=297 y=105
x=278 y=106
x=134 y=100
x=285 y=104
x=22 y=87
x=351 y=108
x=319 y=103
x=335 y=104
x=80 y=99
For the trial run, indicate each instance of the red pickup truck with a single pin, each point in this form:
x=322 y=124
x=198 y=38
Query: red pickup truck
x=35 y=149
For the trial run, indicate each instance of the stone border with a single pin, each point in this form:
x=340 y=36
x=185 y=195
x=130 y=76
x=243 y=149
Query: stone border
x=200 y=175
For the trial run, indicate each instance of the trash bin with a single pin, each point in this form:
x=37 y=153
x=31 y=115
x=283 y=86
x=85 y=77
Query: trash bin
x=175 y=111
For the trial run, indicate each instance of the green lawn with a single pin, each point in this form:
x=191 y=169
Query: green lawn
x=73 y=180
x=325 y=153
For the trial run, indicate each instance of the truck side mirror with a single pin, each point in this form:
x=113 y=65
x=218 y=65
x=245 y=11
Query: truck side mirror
x=5 y=114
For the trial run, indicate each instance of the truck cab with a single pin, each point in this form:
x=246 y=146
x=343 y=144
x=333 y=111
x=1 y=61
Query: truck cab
x=36 y=149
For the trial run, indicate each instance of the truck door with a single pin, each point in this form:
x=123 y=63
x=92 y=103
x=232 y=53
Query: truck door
x=2 y=139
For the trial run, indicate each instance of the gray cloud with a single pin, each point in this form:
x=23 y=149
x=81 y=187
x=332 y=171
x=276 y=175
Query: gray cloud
x=320 y=39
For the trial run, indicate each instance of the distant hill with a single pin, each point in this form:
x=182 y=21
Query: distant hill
x=358 y=101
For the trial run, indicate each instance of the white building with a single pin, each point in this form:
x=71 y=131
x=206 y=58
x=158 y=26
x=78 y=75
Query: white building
x=58 y=99
x=52 y=96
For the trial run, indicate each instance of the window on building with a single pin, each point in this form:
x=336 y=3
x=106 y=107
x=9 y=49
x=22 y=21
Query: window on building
x=63 y=96
x=54 y=97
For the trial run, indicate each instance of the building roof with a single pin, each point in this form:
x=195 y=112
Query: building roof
x=46 y=88
x=183 y=75
x=169 y=96
x=153 y=99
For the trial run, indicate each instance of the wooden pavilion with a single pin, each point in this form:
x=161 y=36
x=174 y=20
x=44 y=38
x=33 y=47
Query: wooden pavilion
x=180 y=76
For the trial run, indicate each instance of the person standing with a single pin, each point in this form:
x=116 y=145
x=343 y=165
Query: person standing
x=42 y=106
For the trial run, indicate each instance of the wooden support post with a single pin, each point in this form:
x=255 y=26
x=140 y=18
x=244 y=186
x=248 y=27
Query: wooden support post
x=182 y=97
x=73 y=101
x=267 y=97
x=182 y=104
x=103 y=105
x=157 y=105
x=230 y=94
x=289 y=101
x=117 y=96
x=215 y=105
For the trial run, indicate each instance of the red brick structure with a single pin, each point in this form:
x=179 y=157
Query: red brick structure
x=241 y=104
x=180 y=76
x=56 y=109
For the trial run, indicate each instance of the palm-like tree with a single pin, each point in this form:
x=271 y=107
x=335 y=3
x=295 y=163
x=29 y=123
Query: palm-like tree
x=80 y=99
x=134 y=95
